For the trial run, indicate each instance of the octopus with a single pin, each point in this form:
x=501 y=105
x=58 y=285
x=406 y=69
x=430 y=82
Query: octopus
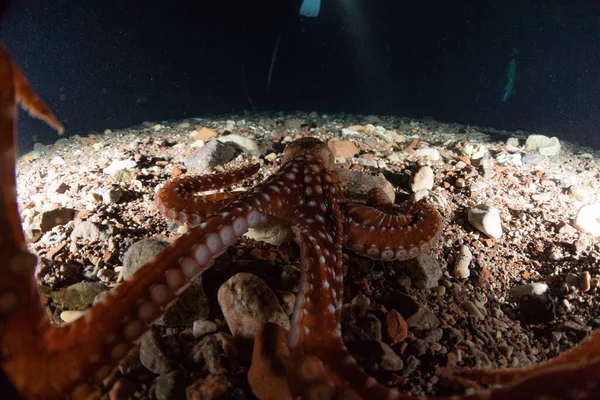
x=76 y=360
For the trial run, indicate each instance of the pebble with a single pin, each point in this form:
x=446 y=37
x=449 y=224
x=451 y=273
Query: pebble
x=462 y=262
x=78 y=296
x=212 y=154
x=170 y=386
x=424 y=270
x=248 y=303
x=529 y=289
x=119 y=165
x=396 y=328
x=428 y=153
x=473 y=310
x=203 y=134
x=275 y=231
x=342 y=148
x=152 y=355
x=423 y=179
x=582 y=193
x=246 y=144
x=545 y=145
x=92 y=232
x=69 y=316
x=360 y=300
x=587 y=220
x=203 y=327
x=423 y=319
x=357 y=184
x=191 y=305
x=486 y=219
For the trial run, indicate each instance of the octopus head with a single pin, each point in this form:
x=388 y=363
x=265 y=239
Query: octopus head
x=309 y=147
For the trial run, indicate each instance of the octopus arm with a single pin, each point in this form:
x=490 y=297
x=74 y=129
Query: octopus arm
x=399 y=232
x=181 y=199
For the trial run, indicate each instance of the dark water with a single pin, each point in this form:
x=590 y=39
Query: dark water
x=113 y=64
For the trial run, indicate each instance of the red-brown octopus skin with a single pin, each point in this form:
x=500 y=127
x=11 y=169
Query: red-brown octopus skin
x=73 y=361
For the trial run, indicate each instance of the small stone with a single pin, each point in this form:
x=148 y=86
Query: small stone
x=184 y=125
x=169 y=386
x=529 y=289
x=69 y=316
x=152 y=355
x=581 y=245
x=203 y=134
x=275 y=231
x=543 y=144
x=247 y=303
x=203 y=327
x=584 y=281
x=512 y=144
x=92 y=232
x=292 y=124
x=112 y=196
x=462 y=262
x=360 y=300
x=246 y=144
x=58 y=216
x=424 y=270
x=588 y=220
x=289 y=300
x=212 y=154
x=423 y=319
x=396 y=328
x=356 y=185
x=486 y=219
x=342 y=148
x=582 y=193
x=119 y=165
x=78 y=296
x=428 y=154
x=423 y=179
x=472 y=309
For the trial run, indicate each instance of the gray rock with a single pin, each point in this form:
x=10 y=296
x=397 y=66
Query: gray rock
x=170 y=386
x=376 y=356
x=92 y=232
x=78 y=296
x=152 y=355
x=423 y=319
x=425 y=271
x=212 y=154
x=191 y=305
x=248 y=303
x=140 y=253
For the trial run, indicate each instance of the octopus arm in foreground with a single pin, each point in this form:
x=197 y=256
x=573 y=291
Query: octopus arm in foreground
x=75 y=360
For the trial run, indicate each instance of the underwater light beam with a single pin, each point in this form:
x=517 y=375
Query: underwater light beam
x=310 y=8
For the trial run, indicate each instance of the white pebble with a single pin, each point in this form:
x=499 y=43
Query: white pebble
x=534 y=288
x=486 y=219
x=588 y=219
x=462 y=262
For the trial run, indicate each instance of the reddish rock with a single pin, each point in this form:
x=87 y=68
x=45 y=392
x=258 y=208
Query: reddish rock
x=395 y=327
x=204 y=133
x=342 y=148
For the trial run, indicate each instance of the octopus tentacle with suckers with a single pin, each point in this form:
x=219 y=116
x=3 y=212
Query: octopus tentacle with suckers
x=74 y=360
